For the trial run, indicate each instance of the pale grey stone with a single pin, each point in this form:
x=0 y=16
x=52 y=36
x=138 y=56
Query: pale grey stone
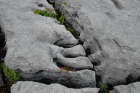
x=130 y=88
x=34 y=87
x=36 y=44
x=110 y=30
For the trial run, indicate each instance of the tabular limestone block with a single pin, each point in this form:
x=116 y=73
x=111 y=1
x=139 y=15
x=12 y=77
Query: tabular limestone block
x=110 y=30
x=34 y=41
x=130 y=88
x=34 y=87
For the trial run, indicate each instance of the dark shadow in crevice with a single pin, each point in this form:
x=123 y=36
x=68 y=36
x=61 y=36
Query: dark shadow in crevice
x=88 y=52
x=2 y=39
x=131 y=79
x=3 y=52
x=80 y=42
x=63 y=81
x=117 y=4
x=95 y=62
x=49 y=1
x=70 y=56
x=3 y=48
x=98 y=78
x=66 y=24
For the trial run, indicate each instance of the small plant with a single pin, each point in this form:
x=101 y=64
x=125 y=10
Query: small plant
x=78 y=33
x=59 y=5
x=64 y=3
x=67 y=70
x=10 y=73
x=105 y=89
x=62 y=18
x=48 y=12
x=71 y=30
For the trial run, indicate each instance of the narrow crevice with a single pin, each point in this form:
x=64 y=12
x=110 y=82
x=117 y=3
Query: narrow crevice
x=130 y=79
x=70 y=56
x=80 y=42
x=95 y=62
x=99 y=84
x=98 y=78
x=88 y=52
x=66 y=24
x=117 y=4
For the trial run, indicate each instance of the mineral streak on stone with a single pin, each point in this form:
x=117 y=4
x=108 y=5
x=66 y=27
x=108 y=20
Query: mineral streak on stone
x=110 y=30
x=33 y=42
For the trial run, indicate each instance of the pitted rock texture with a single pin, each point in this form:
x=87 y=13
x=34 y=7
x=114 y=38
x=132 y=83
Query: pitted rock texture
x=110 y=30
x=130 y=88
x=36 y=43
x=34 y=87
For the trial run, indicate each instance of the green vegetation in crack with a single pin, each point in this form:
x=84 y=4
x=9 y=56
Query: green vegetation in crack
x=71 y=30
x=10 y=73
x=48 y=12
x=105 y=89
x=67 y=71
x=62 y=3
x=6 y=88
x=78 y=33
x=62 y=19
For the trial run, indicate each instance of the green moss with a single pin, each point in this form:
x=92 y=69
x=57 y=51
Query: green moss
x=78 y=33
x=62 y=18
x=10 y=73
x=48 y=12
x=105 y=89
x=71 y=30
x=59 y=5
x=64 y=3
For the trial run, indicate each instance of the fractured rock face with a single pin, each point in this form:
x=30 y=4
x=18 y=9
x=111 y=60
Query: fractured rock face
x=130 y=88
x=34 y=87
x=110 y=30
x=36 y=44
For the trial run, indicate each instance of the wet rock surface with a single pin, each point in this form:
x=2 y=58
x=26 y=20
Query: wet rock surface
x=110 y=31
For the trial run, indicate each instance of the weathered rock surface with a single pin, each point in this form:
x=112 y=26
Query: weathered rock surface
x=110 y=30
x=37 y=44
x=130 y=88
x=34 y=87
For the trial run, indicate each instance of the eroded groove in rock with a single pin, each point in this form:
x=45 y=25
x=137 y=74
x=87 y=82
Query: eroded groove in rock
x=117 y=4
x=34 y=42
x=55 y=77
x=3 y=47
x=116 y=45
